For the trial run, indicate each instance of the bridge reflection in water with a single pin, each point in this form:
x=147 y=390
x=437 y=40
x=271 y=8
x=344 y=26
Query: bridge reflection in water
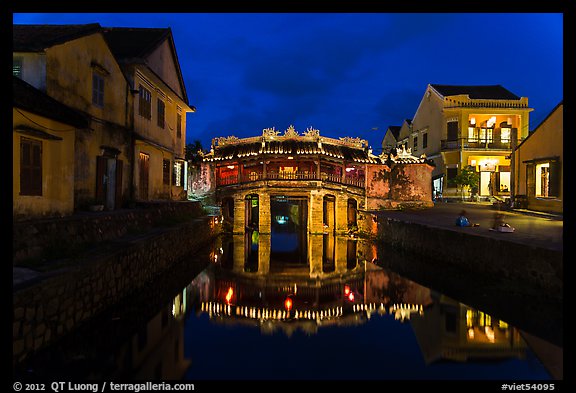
x=342 y=285
x=252 y=303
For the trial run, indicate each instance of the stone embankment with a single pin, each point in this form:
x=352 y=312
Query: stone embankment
x=57 y=301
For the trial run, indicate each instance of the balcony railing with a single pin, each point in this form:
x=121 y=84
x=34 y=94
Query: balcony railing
x=466 y=143
x=256 y=176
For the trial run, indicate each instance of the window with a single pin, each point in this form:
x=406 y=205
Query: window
x=543 y=179
x=505 y=135
x=145 y=103
x=486 y=135
x=179 y=125
x=177 y=181
x=415 y=143
x=97 y=90
x=30 y=167
x=17 y=66
x=161 y=113
x=166 y=172
x=425 y=140
x=472 y=134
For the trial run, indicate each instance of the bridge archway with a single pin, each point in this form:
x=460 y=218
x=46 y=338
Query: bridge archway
x=289 y=230
x=252 y=211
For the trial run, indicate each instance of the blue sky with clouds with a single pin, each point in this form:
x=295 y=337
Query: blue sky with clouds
x=346 y=74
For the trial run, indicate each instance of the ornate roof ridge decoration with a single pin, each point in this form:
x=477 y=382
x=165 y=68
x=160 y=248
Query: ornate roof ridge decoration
x=225 y=140
x=354 y=142
x=270 y=132
x=311 y=133
x=291 y=132
x=404 y=156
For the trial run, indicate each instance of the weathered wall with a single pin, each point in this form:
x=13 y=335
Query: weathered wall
x=403 y=185
x=53 y=307
x=478 y=255
x=32 y=238
x=201 y=180
x=69 y=71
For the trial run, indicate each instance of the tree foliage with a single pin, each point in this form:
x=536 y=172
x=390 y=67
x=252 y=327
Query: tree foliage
x=192 y=153
x=467 y=177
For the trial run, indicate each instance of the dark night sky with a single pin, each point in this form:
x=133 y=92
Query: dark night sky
x=346 y=74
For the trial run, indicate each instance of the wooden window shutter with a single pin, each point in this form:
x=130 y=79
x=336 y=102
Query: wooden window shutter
x=530 y=179
x=555 y=177
x=30 y=167
x=452 y=130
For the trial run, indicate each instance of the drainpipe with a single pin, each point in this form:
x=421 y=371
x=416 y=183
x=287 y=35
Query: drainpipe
x=513 y=144
x=132 y=149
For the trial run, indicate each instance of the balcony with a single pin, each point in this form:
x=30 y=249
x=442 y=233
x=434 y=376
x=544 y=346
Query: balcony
x=296 y=176
x=474 y=144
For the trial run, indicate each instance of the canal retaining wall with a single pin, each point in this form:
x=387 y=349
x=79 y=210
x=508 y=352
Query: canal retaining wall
x=59 y=301
x=536 y=268
x=45 y=238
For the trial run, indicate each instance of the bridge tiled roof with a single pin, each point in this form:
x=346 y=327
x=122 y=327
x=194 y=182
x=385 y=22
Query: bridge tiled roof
x=292 y=147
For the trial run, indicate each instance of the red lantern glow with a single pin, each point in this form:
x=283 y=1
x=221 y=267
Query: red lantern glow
x=346 y=290
x=351 y=296
x=229 y=295
x=288 y=304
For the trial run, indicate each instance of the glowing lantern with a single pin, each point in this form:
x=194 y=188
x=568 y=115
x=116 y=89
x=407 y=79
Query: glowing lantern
x=288 y=304
x=351 y=296
x=229 y=295
x=346 y=290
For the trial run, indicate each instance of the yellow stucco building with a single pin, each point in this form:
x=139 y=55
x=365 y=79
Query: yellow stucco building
x=43 y=153
x=74 y=65
x=149 y=60
x=539 y=162
x=128 y=85
x=461 y=126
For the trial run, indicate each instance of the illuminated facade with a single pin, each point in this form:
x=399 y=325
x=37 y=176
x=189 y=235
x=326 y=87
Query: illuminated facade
x=310 y=181
x=461 y=126
x=539 y=163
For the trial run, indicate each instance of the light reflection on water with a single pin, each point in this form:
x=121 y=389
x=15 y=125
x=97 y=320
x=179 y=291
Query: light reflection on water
x=407 y=331
x=254 y=313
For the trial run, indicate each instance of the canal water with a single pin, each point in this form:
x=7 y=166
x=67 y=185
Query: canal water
x=289 y=306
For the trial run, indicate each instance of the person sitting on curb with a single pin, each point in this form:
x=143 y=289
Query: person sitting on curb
x=499 y=225
x=462 y=220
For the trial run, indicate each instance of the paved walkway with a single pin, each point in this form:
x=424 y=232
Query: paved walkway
x=531 y=227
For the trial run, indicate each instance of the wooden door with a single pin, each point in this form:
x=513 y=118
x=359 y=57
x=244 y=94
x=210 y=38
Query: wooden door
x=144 y=164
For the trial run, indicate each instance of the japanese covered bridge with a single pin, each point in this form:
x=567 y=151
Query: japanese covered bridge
x=310 y=181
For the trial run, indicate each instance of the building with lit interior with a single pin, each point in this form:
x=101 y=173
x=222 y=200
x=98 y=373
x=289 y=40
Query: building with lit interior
x=539 y=161
x=469 y=126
